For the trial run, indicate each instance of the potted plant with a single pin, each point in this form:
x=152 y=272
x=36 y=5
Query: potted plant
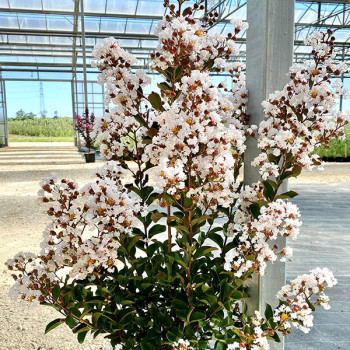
x=85 y=127
x=158 y=256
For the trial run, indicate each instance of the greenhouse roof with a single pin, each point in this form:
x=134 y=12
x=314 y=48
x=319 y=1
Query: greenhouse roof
x=45 y=36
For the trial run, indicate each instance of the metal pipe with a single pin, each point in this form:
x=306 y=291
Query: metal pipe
x=82 y=19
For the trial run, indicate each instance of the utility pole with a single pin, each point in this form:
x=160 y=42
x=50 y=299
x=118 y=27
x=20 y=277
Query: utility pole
x=42 y=101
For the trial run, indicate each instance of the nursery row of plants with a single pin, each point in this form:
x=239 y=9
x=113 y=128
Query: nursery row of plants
x=62 y=130
x=61 y=127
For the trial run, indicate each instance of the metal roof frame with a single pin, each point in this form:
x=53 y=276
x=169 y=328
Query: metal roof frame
x=49 y=46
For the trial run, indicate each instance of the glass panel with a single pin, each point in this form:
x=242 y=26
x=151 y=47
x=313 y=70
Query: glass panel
x=38 y=39
x=302 y=49
x=7 y=58
x=29 y=21
x=59 y=22
x=61 y=40
x=4 y=4
x=26 y=4
x=17 y=38
x=61 y=5
x=240 y=13
x=138 y=26
x=150 y=7
x=113 y=25
x=96 y=6
x=130 y=43
x=122 y=7
x=154 y=25
x=149 y=44
x=92 y=24
x=8 y=20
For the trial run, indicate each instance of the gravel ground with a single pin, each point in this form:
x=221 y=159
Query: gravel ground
x=22 y=166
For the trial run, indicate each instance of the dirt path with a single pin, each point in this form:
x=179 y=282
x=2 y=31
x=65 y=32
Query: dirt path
x=22 y=166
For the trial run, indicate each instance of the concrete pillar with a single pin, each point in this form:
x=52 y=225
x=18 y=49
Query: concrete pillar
x=269 y=55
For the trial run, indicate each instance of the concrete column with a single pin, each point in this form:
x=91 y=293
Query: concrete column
x=269 y=55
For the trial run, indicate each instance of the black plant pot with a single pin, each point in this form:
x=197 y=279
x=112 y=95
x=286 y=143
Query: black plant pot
x=89 y=157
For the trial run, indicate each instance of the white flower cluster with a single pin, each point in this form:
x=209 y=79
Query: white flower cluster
x=183 y=39
x=278 y=218
x=30 y=275
x=295 y=310
x=240 y=23
x=194 y=139
x=256 y=341
x=182 y=345
x=82 y=236
x=123 y=89
x=303 y=115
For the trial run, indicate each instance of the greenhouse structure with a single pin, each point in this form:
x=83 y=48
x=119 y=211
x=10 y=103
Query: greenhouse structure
x=211 y=159
x=48 y=40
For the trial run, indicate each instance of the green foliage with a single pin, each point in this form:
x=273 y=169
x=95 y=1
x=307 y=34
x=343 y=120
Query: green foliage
x=161 y=295
x=22 y=115
x=338 y=148
x=44 y=127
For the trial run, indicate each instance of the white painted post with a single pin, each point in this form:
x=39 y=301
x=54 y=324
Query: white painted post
x=269 y=55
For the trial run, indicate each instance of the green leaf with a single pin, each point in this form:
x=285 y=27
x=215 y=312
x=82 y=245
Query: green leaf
x=156 y=216
x=255 y=209
x=53 y=324
x=155 y=229
x=286 y=195
x=71 y=322
x=268 y=311
x=140 y=120
x=275 y=337
x=146 y=191
x=179 y=304
x=164 y=86
x=203 y=251
x=272 y=158
x=197 y=316
x=95 y=317
x=155 y=101
x=56 y=292
x=171 y=337
x=268 y=190
x=134 y=241
x=200 y=219
x=226 y=289
x=81 y=337
x=216 y=237
x=296 y=170
x=286 y=175
x=178 y=73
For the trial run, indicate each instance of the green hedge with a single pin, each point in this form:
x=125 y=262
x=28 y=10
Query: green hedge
x=55 y=127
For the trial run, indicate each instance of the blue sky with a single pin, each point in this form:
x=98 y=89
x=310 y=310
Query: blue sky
x=57 y=97
x=26 y=95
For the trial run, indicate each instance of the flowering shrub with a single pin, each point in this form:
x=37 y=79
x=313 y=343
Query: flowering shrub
x=85 y=127
x=154 y=254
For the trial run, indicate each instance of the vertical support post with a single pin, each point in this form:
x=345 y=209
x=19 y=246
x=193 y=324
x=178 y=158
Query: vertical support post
x=270 y=39
x=74 y=74
x=342 y=80
x=82 y=17
x=74 y=112
x=4 y=132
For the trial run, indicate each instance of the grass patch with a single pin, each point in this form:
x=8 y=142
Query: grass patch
x=16 y=138
x=338 y=148
x=48 y=127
